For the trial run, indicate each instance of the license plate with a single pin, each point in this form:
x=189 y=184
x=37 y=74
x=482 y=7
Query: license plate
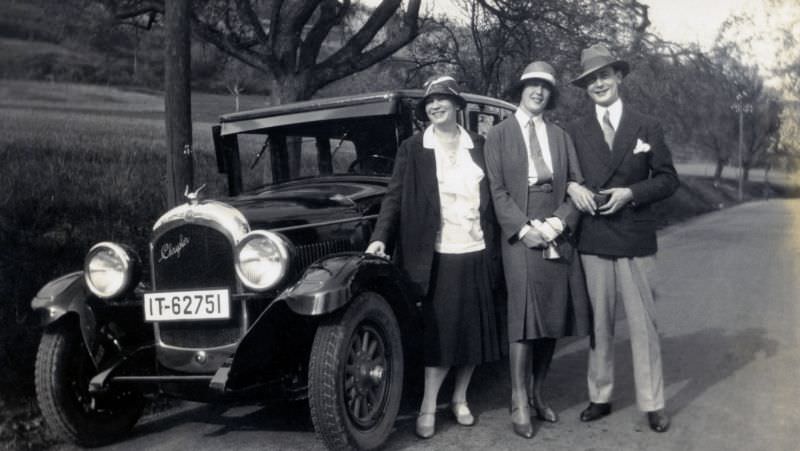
x=187 y=305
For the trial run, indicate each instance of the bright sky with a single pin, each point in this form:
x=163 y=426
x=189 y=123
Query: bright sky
x=682 y=21
x=685 y=21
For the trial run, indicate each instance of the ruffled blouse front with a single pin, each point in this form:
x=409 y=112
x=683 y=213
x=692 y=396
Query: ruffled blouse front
x=458 y=180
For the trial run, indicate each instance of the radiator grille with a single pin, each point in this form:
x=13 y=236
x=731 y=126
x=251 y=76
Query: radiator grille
x=309 y=253
x=191 y=257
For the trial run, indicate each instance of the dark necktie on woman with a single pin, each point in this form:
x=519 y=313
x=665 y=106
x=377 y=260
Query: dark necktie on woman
x=543 y=173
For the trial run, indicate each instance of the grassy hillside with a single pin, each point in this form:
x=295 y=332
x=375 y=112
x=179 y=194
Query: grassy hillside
x=80 y=164
x=86 y=163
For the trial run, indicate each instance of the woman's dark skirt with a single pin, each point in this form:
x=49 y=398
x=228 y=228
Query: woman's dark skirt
x=459 y=316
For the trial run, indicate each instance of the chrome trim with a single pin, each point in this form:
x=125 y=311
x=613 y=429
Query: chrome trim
x=284 y=248
x=216 y=215
x=208 y=212
x=324 y=223
x=128 y=263
x=182 y=359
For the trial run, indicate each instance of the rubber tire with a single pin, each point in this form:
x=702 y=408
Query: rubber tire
x=327 y=373
x=61 y=352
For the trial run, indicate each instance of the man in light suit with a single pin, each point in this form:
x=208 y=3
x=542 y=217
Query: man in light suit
x=627 y=166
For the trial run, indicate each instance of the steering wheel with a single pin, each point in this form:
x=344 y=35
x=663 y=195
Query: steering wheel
x=381 y=161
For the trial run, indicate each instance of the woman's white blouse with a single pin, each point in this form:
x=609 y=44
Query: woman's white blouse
x=459 y=196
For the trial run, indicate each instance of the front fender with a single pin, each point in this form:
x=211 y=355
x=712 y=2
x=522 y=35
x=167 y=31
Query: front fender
x=327 y=285
x=64 y=295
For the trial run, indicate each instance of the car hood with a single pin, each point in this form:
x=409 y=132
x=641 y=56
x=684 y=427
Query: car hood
x=307 y=202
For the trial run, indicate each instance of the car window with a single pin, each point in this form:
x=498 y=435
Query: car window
x=480 y=123
x=255 y=160
x=481 y=118
x=361 y=146
x=325 y=156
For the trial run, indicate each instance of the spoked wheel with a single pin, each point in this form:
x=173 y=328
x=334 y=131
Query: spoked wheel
x=356 y=375
x=63 y=371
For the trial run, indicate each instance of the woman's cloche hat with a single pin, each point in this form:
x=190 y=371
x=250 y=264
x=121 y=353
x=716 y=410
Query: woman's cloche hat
x=440 y=85
x=595 y=58
x=538 y=70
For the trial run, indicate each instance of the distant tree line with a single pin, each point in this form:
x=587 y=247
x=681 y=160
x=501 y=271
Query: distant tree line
x=294 y=49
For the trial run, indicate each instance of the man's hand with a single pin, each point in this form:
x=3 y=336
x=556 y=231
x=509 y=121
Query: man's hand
x=534 y=239
x=619 y=198
x=377 y=248
x=582 y=197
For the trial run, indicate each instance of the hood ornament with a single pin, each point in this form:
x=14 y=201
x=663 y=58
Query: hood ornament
x=194 y=195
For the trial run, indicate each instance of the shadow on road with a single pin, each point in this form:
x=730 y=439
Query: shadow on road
x=693 y=362
x=278 y=416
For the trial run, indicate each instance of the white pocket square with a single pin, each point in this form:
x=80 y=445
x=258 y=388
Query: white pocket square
x=641 y=147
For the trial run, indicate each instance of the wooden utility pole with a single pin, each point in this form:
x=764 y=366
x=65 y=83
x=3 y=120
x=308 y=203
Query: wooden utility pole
x=177 y=100
x=741 y=108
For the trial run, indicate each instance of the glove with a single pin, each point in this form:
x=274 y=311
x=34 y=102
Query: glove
x=551 y=228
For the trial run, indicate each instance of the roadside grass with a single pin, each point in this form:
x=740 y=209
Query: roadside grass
x=57 y=97
x=81 y=164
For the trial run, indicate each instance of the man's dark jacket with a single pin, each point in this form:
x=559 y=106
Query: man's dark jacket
x=648 y=172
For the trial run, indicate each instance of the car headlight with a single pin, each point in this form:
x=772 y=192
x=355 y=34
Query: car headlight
x=262 y=260
x=110 y=269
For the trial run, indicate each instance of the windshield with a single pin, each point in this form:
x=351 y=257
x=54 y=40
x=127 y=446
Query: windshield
x=350 y=146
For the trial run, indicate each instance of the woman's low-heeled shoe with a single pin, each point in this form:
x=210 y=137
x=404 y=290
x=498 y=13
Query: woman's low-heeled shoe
x=424 y=429
x=546 y=413
x=543 y=412
x=462 y=414
x=522 y=429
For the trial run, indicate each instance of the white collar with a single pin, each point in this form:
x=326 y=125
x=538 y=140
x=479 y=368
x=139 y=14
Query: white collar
x=614 y=112
x=429 y=138
x=523 y=118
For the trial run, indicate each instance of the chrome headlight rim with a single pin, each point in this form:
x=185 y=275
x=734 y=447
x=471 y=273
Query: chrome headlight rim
x=285 y=252
x=129 y=269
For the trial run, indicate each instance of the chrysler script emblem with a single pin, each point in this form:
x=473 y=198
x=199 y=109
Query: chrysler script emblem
x=169 y=250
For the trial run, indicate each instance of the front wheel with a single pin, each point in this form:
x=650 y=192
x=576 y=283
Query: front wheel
x=355 y=376
x=63 y=371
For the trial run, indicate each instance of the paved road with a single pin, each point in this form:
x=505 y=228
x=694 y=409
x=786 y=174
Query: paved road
x=728 y=313
x=757 y=175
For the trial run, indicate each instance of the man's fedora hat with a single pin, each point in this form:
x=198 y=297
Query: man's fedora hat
x=538 y=70
x=440 y=85
x=595 y=58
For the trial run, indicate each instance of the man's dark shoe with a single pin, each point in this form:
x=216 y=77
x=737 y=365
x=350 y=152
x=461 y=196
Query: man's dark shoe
x=595 y=411
x=658 y=419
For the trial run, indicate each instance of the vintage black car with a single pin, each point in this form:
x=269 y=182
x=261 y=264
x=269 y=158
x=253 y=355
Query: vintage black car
x=263 y=294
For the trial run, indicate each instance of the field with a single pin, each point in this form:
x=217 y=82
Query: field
x=81 y=164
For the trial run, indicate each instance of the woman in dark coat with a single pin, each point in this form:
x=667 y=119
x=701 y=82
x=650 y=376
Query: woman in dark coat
x=529 y=163
x=438 y=210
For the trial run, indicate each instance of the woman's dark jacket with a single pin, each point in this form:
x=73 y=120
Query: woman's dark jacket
x=411 y=212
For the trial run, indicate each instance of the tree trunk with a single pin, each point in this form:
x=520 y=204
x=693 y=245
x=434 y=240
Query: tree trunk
x=718 y=172
x=285 y=90
x=177 y=99
x=135 y=54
